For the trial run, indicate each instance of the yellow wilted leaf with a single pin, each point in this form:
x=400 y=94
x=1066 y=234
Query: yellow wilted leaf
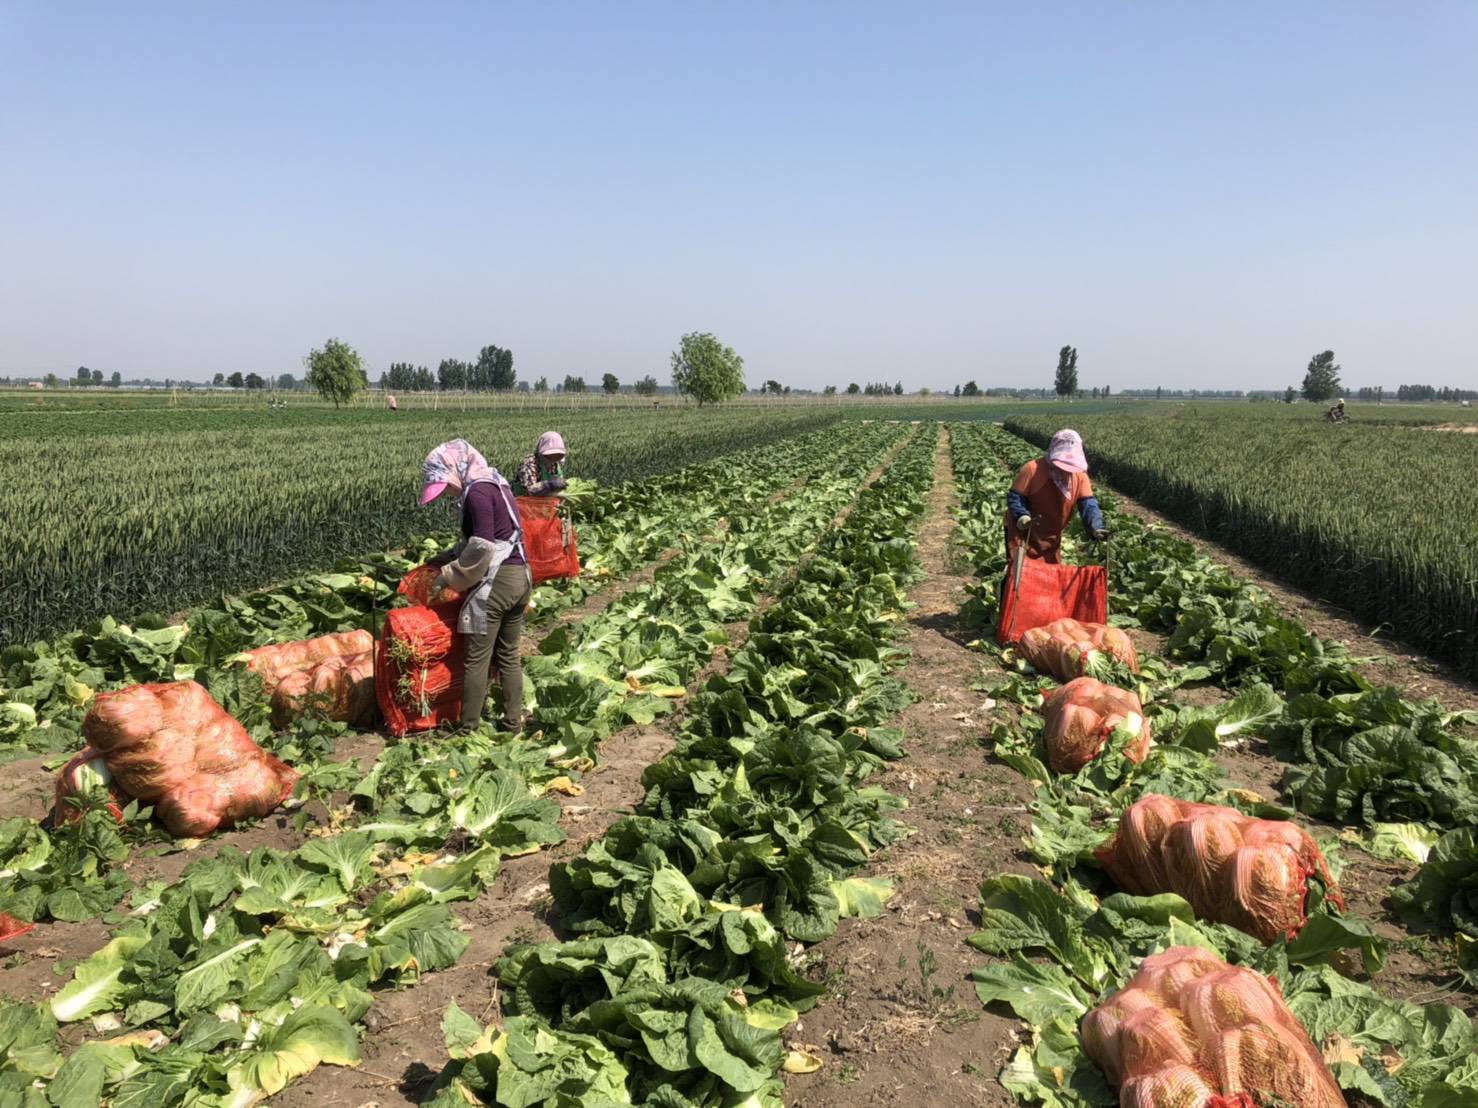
x=1247 y=796
x=800 y=1059
x=1337 y=1049
x=566 y=786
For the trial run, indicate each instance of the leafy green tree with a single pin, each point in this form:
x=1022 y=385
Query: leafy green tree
x=957 y=390
x=898 y=389
x=424 y=381
x=1321 y=381
x=1290 y=394
x=493 y=370
x=926 y=391
x=773 y=387
x=286 y=382
x=971 y=389
x=97 y=377
x=609 y=384
x=218 y=380
x=52 y=381
x=255 y=381
x=1159 y=391
x=1106 y=390
x=830 y=390
x=706 y=369
x=647 y=386
x=84 y=375
x=1066 y=383
x=541 y=385
x=452 y=374
x=236 y=381
x=853 y=389
x=574 y=384
x=116 y=380
x=336 y=371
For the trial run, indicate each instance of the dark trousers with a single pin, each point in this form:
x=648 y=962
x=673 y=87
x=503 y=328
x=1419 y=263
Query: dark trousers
x=498 y=646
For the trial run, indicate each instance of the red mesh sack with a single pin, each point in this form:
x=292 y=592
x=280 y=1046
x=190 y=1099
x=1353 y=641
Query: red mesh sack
x=548 y=538
x=418 y=679
x=1190 y=1031
x=417 y=585
x=1065 y=648
x=1250 y=873
x=1081 y=716
x=85 y=772
x=171 y=745
x=12 y=928
x=333 y=674
x=1050 y=592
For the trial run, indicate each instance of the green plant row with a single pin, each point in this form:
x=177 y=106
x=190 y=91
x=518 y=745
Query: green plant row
x=1067 y=940
x=677 y=986
x=251 y=970
x=160 y=521
x=1352 y=513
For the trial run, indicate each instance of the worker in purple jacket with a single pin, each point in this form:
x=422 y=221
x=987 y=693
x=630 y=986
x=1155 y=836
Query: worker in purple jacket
x=490 y=568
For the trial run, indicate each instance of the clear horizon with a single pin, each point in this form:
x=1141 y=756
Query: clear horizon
x=1194 y=197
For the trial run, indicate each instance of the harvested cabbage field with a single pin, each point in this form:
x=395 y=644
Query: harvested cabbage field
x=787 y=826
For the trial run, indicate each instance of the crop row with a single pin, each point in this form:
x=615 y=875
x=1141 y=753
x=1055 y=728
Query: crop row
x=253 y=969
x=1377 y=519
x=1066 y=943
x=132 y=523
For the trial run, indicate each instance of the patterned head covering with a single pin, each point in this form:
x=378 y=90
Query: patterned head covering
x=550 y=442
x=457 y=465
x=1066 y=457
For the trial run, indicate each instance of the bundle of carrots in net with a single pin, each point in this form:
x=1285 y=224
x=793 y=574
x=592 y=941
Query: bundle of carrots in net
x=1081 y=716
x=330 y=674
x=1191 y=1030
x=172 y=746
x=1250 y=873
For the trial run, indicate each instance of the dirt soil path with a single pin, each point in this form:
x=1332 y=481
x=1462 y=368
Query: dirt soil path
x=901 y=1020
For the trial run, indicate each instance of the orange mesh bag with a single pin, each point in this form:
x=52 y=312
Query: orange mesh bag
x=1250 y=873
x=1081 y=716
x=1190 y=1031
x=12 y=928
x=85 y=772
x=171 y=745
x=548 y=539
x=418 y=680
x=1049 y=592
x=1065 y=648
x=417 y=585
x=333 y=674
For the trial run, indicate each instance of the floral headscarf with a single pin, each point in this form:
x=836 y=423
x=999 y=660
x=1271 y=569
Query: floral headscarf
x=1066 y=457
x=457 y=465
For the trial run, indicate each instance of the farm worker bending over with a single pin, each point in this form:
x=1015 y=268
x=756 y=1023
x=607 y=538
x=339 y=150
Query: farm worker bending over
x=542 y=473
x=1041 y=499
x=489 y=566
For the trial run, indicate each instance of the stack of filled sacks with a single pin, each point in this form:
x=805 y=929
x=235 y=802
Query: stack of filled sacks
x=1066 y=648
x=1250 y=873
x=421 y=658
x=1081 y=716
x=333 y=675
x=172 y=746
x=1190 y=1030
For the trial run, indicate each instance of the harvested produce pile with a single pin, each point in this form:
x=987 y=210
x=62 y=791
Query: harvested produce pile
x=1250 y=873
x=171 y=745
x=1066 y=648
x=420 y=668
x=1189 y=1029
x=332 y=674
x=1080 y=717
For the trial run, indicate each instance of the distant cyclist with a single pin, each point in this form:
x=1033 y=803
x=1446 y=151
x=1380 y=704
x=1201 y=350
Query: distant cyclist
x=1337 y=414
x=1042 y=498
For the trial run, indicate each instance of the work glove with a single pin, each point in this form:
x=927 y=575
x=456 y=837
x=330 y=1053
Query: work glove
x=1023 y=523
x=1101 y=534
x=557 y=484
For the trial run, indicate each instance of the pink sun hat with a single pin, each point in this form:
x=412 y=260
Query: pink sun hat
x=1066 y=452
x=432 y=491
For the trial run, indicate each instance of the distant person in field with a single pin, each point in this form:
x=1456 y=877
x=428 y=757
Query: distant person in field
x=1042 y=498
x=390 y=400
x=542 y=473
x=489 y=567
x=1337 y=414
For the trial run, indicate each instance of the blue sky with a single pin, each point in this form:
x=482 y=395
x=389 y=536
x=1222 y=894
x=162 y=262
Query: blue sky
x=1192 y=194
